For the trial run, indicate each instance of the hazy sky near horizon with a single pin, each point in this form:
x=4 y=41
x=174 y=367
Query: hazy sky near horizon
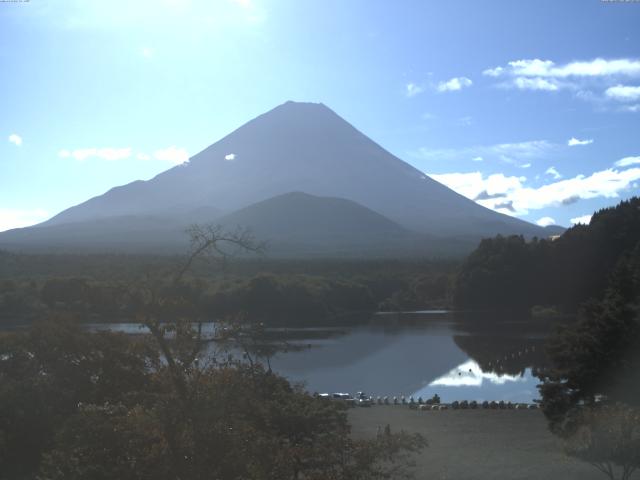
x=531 y=108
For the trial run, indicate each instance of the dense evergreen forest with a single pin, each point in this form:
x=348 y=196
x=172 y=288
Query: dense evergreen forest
x=590 y=384
x=97 y=288
x=590 y=392
x=503 y=273
x=512 y=273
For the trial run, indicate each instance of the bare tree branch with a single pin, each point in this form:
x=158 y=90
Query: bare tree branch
x=215 y=240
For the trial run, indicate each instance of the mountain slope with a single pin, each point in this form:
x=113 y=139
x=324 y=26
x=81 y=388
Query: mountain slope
x=298 y=223
x=304 y=216
x=296 y=147
x=292 y=225
x=302 y=147
x=125 y=233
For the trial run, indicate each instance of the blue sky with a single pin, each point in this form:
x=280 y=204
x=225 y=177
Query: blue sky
x=531 y=107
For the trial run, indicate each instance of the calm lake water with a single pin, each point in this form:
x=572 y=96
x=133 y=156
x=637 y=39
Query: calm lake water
x=417 y=354
x=423 y=354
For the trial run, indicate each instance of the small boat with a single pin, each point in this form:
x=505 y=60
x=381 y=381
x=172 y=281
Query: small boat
x=363 y=400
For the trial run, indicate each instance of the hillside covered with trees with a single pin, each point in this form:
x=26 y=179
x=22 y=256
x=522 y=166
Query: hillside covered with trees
x=511 y=273
x=98 y=288
x=589 y=390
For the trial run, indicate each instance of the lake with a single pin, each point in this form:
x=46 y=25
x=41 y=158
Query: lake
x=419 y=354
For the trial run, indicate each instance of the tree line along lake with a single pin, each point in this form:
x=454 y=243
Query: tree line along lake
x=459 y=356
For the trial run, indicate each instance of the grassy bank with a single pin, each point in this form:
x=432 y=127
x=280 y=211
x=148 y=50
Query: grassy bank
x=477 y=444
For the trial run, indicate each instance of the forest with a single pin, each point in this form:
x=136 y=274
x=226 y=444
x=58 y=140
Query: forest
x=278 y=292
x=513 y=273
x=590 y=391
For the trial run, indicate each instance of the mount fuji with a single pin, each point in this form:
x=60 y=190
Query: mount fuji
x=302 y=178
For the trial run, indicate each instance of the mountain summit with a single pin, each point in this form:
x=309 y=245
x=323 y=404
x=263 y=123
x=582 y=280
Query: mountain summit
x=296 y=147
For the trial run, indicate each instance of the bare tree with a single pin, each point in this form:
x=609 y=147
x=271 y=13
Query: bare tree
x=176 y=326
x=214 y=241
x=181 y=353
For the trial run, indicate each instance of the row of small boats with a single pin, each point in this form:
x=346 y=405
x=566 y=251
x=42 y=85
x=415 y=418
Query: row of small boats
x=361 y=399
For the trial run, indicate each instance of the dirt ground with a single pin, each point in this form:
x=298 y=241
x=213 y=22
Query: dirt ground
x=478 y=444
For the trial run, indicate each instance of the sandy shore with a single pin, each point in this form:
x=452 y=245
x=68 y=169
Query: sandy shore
x=478 y=444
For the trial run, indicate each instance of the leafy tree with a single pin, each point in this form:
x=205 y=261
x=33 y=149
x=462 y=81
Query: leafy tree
x=591 y=395
x=496 y=274
x=105 y=442
x=77 y=405
x=609 y=439
x=46 y=372
x=595 y=357
x=511 y=273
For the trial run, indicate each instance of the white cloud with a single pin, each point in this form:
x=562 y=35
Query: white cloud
x=584 y=219
x=412 y=90
x=518 y=153
x=631 y=108
x=470 y=374
x=545 y=221
x=110 y=154
x=477 y=159
x=553 y=172
x=525 y=165
x=15 y=139
x=16 y=218
x=172 y=155
x=454 y=84
x=509 y=195
x=598 y=67
x=230 y=157
x=627 y=161
x=530 y=68
x=604 y=183
x=509 y=152
x=573 y=141
x=623 y=93
x=587 y=78
x=494 y=72
x=113 y=153
x=524 y=83
x=473 y=184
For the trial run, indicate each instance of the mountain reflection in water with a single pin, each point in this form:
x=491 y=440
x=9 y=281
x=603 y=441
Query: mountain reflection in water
x=422 y=354
x=419 y=354
x=469 y=374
